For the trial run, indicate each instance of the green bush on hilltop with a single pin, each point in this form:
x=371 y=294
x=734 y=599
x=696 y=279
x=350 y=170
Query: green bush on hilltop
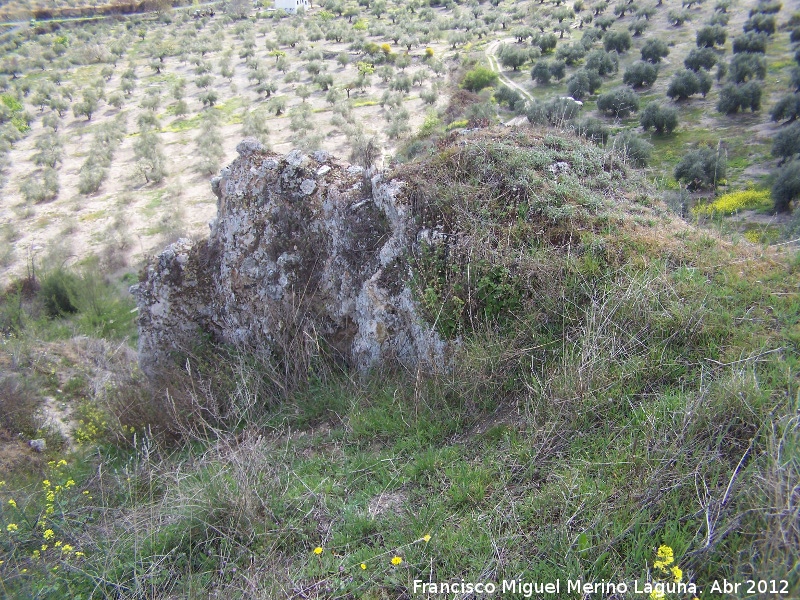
x=479 y=78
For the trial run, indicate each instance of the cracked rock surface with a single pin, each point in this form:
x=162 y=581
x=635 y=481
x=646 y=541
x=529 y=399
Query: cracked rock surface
x=303 y=248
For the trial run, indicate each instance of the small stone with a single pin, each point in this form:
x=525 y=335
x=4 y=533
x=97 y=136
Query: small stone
x=355 y=170
x=39 y=445
x=295 y=158
x=321 y=156
x=322 y=170
x=308 y=186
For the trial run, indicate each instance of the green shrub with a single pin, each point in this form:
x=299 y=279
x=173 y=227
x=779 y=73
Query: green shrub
x=700 y=58
x=633 y=148
x=746 y=66
x=640 y=74
x=733 y=98
x=583 y=83
x=479 y=78
x=511 y=98
x=702 y=168
x=618 y=41
x=59 y=293
x=556 y=111
x=605 y=63
x=664 y=119
x=620 y=102
x=710 y=36
x=570 y=53
x=752 y=42
x=786 y=109
x=541 y=73
x=687 y=83
x=760 y=24
x=786 y=188
x=786 y=143
x=654 y=50
x=593 y=129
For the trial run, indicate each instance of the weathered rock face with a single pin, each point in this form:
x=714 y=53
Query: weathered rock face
x=301 y=246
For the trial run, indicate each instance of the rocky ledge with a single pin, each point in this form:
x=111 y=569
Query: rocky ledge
x=306 y=251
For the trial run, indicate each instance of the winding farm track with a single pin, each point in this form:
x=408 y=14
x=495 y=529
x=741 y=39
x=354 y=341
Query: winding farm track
x=494 y=64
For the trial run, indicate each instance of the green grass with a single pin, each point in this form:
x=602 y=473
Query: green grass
x=632 y=389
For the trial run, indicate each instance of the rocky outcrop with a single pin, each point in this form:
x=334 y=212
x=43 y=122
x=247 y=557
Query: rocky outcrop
x=303 y=248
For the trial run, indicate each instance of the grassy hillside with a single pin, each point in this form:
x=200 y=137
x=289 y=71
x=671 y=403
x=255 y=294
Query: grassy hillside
x=624 y=382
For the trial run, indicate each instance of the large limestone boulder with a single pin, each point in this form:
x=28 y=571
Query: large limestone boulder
x=305 y=250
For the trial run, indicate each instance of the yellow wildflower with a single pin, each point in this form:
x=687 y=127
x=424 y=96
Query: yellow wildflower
x=79 y=554
x=51 y=496
x=85 y=492
x=677 y=573
x=427 y=537
x=48 y=534
x=58 y=544
x=665 y=558
x=66 y=548
x=69 y=484
x=24 y=571
x=62 y=463
x=46 y=483
x=44 y=547
x=11 y=502
x=2 y=483
x=11 y=527
x=363 y=567
x=35 y=554
x=396 y=560
x=318 y=550
x=656 y=595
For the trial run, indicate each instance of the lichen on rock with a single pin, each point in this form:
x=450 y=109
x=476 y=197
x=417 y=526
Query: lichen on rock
x=301 y=246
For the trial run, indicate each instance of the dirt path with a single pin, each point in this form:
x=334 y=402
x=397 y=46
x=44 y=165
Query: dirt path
x=491 y=54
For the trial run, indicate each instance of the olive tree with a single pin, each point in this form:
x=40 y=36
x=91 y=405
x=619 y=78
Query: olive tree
x=583 y=83
x=640 y=74
x=710 y=36
x=663 y=119
x=702 y=168
x=619 y=102
x=753 y=42
x=786 y=187
x=687 y=83
x=209 y=143
x=786 y=109
x=786 y=143
x=733 y=98
x=746 y=66
x=654 y=50
x=619 y=41
x=605 y=63
x=700 y=58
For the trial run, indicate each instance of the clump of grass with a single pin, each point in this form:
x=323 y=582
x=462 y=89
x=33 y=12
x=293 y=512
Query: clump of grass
x=622 y=406
x=18 y=405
